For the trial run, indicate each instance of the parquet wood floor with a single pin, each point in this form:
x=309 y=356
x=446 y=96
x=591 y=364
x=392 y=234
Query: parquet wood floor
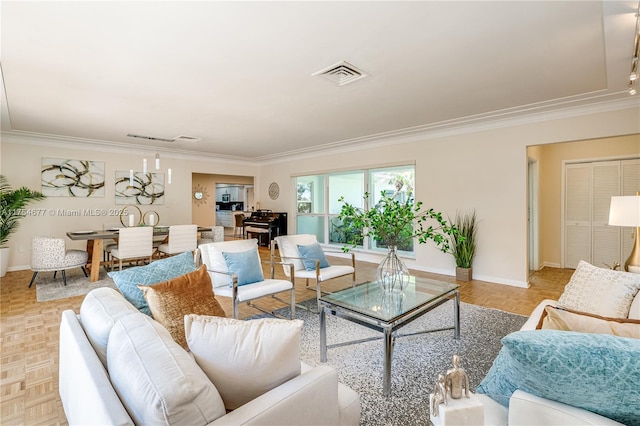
x=29 y=332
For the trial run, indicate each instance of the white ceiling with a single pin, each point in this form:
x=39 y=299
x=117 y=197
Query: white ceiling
x=239 y=74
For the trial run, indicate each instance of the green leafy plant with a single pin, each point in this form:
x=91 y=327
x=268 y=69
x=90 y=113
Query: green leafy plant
x=392 y=222
x=12 y=204
x=463 y=243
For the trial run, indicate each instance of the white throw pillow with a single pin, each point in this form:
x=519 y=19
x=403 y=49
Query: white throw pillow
x=244 y=359
x=158 y=382
x=600 y=291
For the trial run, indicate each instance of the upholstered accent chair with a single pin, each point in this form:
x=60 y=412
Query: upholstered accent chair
x=309 y=261
x=134 y=243
x=50 y=254
x=216 y=235
x=236 y=272
x=181 y=238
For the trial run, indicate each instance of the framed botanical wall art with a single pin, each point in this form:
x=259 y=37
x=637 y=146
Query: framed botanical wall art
x=141 y=188
x=72 y=178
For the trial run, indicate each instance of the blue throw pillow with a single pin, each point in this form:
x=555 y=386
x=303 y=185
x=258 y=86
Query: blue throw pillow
x=596 y=372
x=310 y=254
x=157 y=271
x=246 y=265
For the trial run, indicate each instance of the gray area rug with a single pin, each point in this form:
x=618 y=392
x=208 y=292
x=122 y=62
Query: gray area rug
x=417 y=360
x=48 y=288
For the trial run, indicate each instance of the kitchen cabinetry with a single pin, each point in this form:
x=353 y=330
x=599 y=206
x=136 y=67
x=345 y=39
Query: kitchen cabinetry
x=235 y=192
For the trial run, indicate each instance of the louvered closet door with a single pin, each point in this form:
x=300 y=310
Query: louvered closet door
x=577 y=214
x=605 y=238
x=630 y=186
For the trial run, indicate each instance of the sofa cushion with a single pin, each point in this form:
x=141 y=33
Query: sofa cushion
x=596 y=372
x=555 y=318
x=99 y=311
x=155 y=272
x=244 y=359
x=169 y=301
x=158 y=382
x=310 y=253
x=245 y=264
x=600 y=291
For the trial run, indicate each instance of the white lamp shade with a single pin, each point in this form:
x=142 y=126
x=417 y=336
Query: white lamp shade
x=625 y=211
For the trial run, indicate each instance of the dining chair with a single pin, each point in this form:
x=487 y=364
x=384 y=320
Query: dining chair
x=309 y=261
x=216 y=235
x=236 y=272
x=134 y=243
x=181 y=238
x=238 y=229
x=50 y=254
x=107 y=245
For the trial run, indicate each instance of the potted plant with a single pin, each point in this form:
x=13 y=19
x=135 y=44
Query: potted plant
x=463 y=243
x=393 y=222
x=12 y=203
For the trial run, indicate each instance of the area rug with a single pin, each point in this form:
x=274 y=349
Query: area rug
x=417 y=360
x=48 y=288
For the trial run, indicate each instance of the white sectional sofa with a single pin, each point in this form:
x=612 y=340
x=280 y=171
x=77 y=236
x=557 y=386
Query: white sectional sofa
x=120 y=367
x=587 y=289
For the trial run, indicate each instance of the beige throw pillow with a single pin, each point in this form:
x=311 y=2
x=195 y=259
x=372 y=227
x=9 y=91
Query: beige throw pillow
x=567 y=320
x=600 y=291
x=244 y=359
x=170 y=301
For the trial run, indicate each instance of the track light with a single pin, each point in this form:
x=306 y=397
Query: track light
x=632 y=89
x=157 y=161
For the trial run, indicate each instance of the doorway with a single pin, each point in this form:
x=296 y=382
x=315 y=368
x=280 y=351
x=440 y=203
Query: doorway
x=532 y=214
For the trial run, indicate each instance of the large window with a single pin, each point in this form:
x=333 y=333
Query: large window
x=318 y=206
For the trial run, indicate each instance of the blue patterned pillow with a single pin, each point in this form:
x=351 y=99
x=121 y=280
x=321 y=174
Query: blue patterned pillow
x=310 y=254
x=246 y=265
x=596 y=372
x=158 y=271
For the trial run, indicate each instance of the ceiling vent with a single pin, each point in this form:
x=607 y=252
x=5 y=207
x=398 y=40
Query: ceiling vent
x=151 y=138
x=186 y=138
x=341 y=73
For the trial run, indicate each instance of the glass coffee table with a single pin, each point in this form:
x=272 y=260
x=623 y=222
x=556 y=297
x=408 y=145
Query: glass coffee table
x=367 y=305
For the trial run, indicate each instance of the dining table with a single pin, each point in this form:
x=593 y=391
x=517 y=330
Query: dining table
x=95 y=244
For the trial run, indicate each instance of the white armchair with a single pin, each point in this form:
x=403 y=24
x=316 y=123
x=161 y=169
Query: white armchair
x=225 y=260
x=50 y=254
x=289 y=247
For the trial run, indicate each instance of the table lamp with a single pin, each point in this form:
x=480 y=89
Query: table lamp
x=625 y=211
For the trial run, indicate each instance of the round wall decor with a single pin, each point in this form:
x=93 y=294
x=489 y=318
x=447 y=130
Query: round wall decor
x=274 y=191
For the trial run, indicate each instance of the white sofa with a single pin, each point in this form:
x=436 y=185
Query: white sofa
x=91 y=389
x=526 y=409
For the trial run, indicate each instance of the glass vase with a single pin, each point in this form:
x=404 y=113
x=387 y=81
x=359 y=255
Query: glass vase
x=392 y=274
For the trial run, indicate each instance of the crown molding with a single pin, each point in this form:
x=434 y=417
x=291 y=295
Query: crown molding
x=41 y=139
x=546 y=111
x=473 y=124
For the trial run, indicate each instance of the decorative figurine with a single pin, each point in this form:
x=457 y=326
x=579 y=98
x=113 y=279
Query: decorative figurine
x=439 y=395
x=456 y=378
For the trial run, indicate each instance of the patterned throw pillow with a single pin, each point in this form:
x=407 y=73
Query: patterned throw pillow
x=310 y=253
x=155 y=272
x=170 y=301
x=596 y=372
x=600 y=291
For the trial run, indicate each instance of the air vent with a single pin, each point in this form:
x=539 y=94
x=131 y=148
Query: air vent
x=186 y=138
x=151 y=138
x=341 y=73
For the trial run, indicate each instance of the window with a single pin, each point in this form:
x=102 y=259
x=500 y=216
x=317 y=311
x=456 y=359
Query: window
x=317 y=205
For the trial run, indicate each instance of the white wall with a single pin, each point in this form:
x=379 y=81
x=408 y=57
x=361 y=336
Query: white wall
x=485 y=170
x=21 y=161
